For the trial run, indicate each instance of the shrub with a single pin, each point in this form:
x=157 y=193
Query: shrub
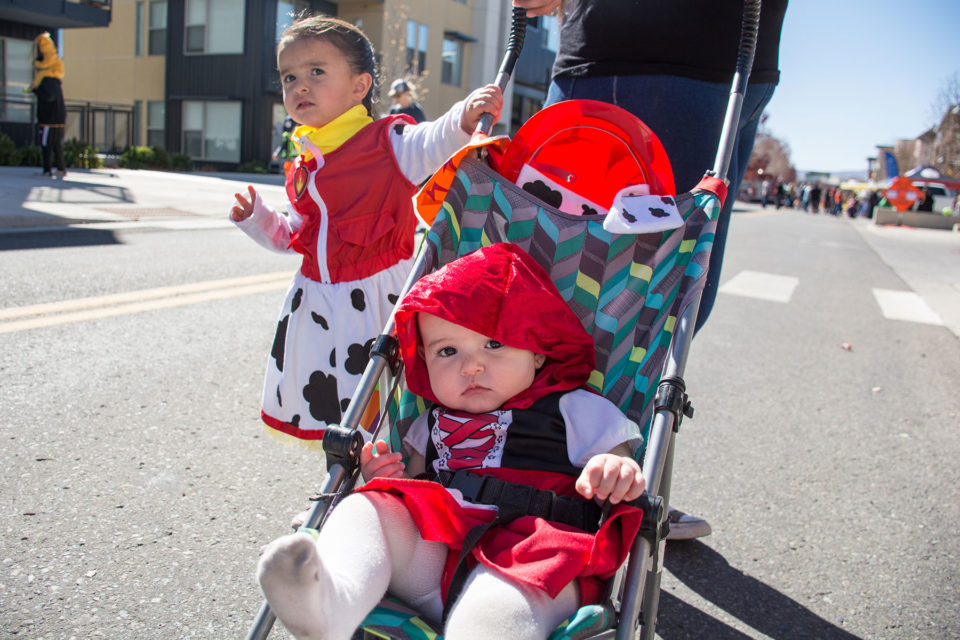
x=159 y=159
x=8 y=150
x=181 y=162
x=29 y=156
x=79 y=154
x=252 y=167
x=136 y=158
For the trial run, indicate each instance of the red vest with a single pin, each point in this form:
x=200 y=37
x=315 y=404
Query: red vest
x=369 y=222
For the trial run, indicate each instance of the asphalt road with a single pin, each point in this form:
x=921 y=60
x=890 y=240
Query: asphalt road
x=137 y=484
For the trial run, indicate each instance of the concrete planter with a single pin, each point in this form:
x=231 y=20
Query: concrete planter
x=918 y=219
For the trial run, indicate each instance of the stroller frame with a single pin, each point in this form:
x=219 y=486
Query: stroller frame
x=634 y=592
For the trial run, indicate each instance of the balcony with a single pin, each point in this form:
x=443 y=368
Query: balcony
x=57 y=14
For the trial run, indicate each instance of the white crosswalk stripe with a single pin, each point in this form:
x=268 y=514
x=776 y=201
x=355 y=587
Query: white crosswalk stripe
x=905 y=305
x=894 y=305
x=763 y=286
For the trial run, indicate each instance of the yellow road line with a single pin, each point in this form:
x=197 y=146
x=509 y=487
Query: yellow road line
x=142 y=294
x=149 y=301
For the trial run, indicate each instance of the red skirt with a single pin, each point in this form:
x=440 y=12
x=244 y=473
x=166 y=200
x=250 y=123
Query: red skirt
x=546 y=555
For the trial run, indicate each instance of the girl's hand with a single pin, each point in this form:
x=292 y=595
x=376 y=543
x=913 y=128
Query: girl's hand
x=243 y=208
x=376 y=461
x=611 y=477
x=486 y=99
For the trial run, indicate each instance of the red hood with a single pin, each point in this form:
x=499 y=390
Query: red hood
x=501 y=292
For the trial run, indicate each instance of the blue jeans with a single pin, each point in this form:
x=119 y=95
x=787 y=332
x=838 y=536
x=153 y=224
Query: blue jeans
x=687 y=116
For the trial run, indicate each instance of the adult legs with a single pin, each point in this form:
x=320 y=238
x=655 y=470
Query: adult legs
x=687 y=116
x=323 y=588
x=56 y=135
x=46 y=150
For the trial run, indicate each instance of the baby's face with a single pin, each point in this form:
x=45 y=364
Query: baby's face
x=469 y=371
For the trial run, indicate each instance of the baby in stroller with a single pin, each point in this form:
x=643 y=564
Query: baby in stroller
x=494 y=524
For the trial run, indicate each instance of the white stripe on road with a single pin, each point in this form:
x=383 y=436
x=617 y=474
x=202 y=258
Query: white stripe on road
x=905 y=305
x=142 y=294
x=52 y=314
x=763 y=286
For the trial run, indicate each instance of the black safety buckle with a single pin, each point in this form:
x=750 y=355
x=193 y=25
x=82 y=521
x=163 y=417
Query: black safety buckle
x=671 y=395
x=654 y=525
x=388 y=348
x=342 y=447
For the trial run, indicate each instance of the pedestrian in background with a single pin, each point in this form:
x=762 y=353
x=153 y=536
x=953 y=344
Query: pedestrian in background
x=404 y=100
x=51 y=109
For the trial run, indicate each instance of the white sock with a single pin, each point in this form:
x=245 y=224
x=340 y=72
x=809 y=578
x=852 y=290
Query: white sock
x=492 y=605
x=322 y=589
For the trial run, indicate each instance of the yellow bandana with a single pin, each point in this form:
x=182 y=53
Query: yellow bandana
x=334 y=133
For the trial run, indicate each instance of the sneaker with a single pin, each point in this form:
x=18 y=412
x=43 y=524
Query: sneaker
x=686 y=527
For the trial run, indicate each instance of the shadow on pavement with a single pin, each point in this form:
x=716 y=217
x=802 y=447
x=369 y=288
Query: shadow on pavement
x=81 y=193
x=756 y=604
x=55 y=238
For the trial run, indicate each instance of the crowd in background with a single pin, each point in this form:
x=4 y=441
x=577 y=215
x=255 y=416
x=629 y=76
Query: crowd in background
x=822 y=197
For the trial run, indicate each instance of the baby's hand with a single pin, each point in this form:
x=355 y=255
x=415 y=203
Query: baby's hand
x=613 y=477
x=486 y=99
x=376 y=461
x=243 y=208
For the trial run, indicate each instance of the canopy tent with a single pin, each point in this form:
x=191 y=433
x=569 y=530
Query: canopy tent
x=924 y=173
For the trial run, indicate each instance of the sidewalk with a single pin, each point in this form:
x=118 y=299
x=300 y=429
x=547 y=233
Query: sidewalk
x=90 y=196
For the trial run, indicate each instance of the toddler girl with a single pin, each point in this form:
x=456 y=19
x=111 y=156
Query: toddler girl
x=350 y=216
x=491 y=343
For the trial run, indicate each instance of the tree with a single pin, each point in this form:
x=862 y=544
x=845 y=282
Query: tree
x=770 y=157
x=946 y=110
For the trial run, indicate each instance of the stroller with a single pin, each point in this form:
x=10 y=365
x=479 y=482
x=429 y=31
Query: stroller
x=633 y=277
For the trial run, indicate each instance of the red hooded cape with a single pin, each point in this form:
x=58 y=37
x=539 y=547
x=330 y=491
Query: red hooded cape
x=501 y=292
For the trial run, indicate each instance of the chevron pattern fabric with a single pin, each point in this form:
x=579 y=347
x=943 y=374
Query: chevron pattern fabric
x=627 y=290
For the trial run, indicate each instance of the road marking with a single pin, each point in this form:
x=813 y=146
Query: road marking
x=66 y=311
x=905 y=305
x=763 y=286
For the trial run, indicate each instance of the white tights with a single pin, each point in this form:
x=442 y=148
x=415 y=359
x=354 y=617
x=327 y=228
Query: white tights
x=322 y=589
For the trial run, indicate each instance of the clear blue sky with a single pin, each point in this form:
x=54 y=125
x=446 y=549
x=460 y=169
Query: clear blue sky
x=857 y=73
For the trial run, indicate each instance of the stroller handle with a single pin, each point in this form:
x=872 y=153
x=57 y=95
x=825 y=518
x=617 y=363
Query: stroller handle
x=518 y=31
x=749 y=25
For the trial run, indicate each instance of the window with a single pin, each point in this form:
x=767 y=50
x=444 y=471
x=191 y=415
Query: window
x=551 y=28
x=416 y=47
x=157 y=30
x=286 y=10
x=16 y=65
x=451 y=68
x=138 y=30
x=214 y=26
x=156 y=123
x=211 y=130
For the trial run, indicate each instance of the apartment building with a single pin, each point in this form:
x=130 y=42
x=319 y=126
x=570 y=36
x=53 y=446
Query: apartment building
x=199 y=76
x=20 y=22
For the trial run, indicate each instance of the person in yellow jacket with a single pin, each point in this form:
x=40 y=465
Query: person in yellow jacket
x=48 y=63
x=51 y=109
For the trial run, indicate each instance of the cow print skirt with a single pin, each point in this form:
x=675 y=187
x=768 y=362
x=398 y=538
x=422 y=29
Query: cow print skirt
x=321 y=348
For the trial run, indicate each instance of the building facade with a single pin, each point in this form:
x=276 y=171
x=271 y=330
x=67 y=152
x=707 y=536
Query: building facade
x=200 y=78
x=20 y=22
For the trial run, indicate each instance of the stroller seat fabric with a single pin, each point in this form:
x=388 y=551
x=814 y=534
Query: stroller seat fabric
x=627 y=290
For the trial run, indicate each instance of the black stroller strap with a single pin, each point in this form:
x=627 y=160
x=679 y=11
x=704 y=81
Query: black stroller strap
x=513 y=501
x=524 y=499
